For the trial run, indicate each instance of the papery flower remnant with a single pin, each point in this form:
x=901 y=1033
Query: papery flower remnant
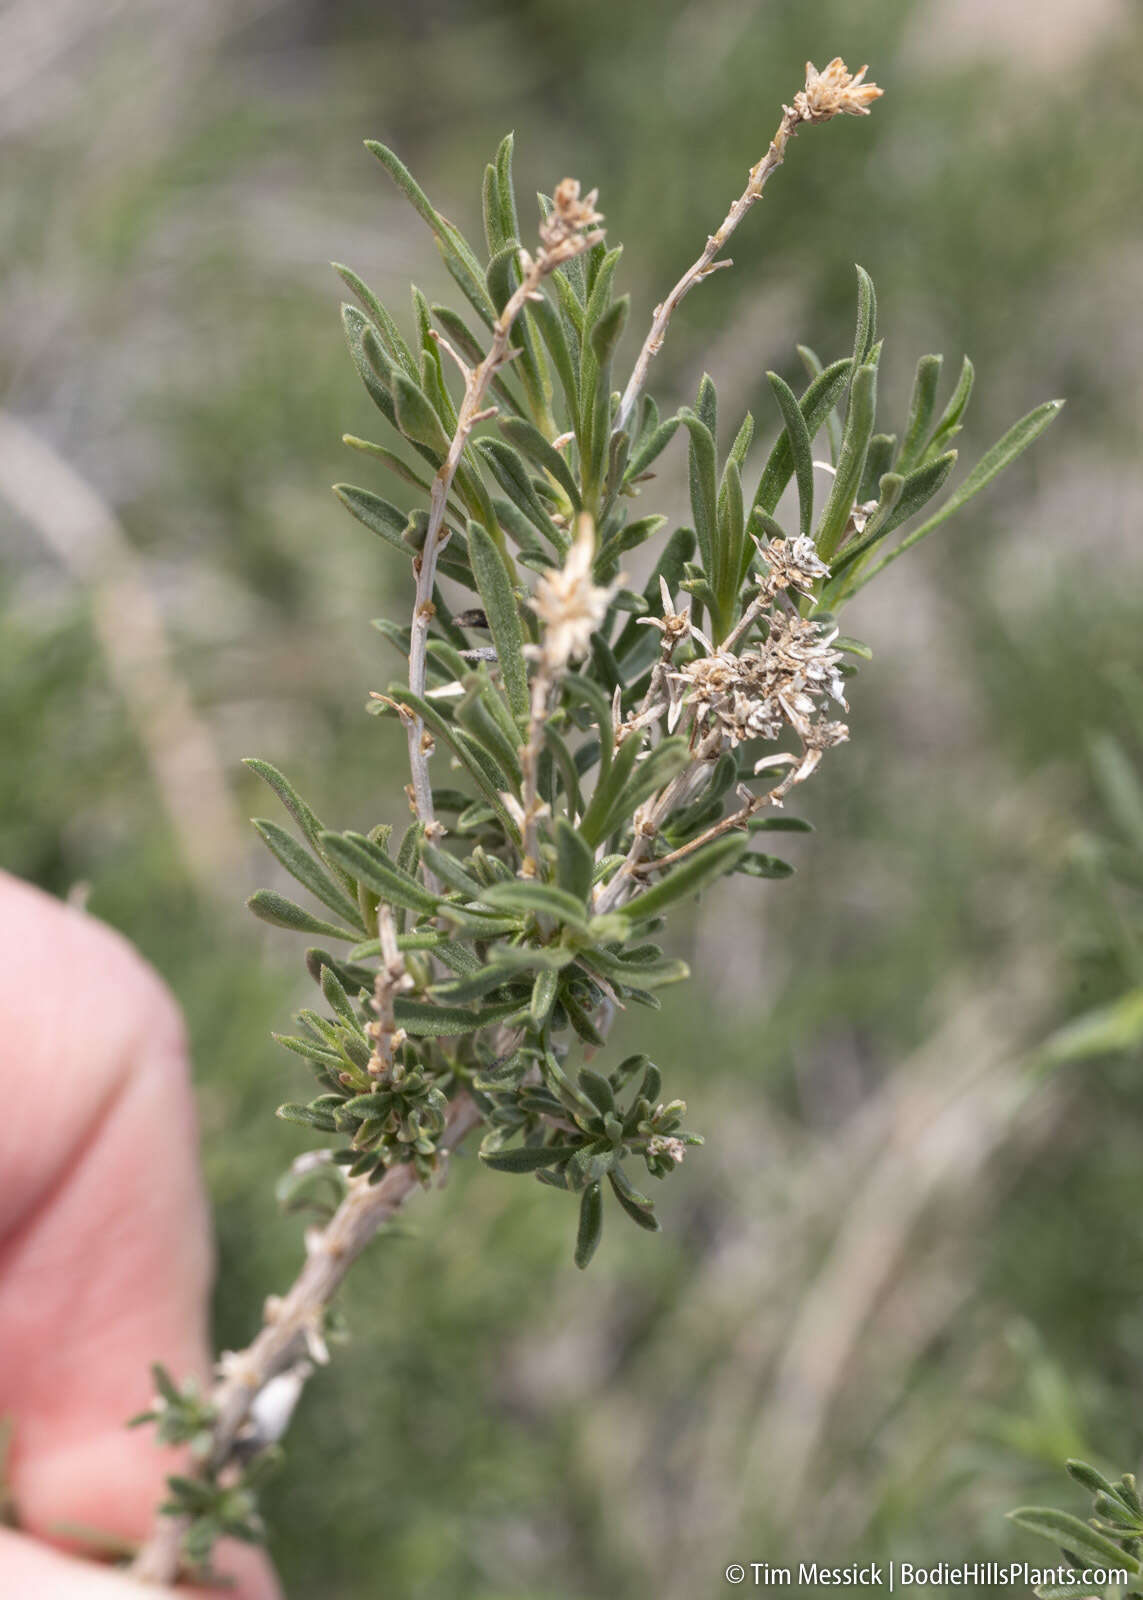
x=834 y=90
x=781 y=683
x=569 y=604
x=792 y=564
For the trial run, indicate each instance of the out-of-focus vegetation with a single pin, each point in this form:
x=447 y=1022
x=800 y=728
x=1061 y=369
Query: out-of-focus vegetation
x=909 y=1270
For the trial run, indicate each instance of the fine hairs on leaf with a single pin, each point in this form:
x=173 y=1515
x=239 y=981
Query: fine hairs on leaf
x=587 y=757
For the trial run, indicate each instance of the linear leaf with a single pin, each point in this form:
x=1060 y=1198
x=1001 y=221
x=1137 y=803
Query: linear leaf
x=590 y=1224
x=1061 y=1528
x=378 y=515
x=544 y=899
x=503 y=615
x=816 y=404
x=949 y=423
x=851 y=462
x=302 y=866
x=921 y=407
x=370 y=865
x=425 y=1021
x=271 y=907
x=801 y=450
x=575 y=862
x=713 y=861
x=527 y=1158
x=528 y=439
x=993 y=462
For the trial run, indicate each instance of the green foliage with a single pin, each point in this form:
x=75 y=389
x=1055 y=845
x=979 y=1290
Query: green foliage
x=1110 y=1541
x=509 y=963
x=524 y=925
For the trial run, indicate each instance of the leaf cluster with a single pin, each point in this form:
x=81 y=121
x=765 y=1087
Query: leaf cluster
x=1111 y=1538
x=509 y=963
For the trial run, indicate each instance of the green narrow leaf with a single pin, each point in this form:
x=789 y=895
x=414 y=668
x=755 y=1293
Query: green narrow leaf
x=637 y=1206
x=481 y=714
x=712 y=861
x=801 y=449
x=425 y=1021
x=731 y=524
x=878 y=463
x=597 y=821
x=564 y=762
x=921 y=408
x=866 y=332
x=651 y=447
x=307 y=819
x=489 y=780
x=813 y=366
x=544 y=991
x=307 y=1117
x=370 y=865
x=511 y=472
x=816 y=405
x=527 y=1158
x=1061 y=1528
x=417 y=417
x=530 y=441
x=449 y=870
x=356 y=326
x=338 y=1001
x=509 y=221
x=595 y=386
x=376 y=514
x=395 y=347
x=388 y=458
x=590 y=1224
x=703 y=478
x=539 y=899
x=503 y=615
x=454 y=248
x=575 y=862
x=993 y=462
x=1113 y=1029
x=554 y=335
x=851 y=462
x=951 y=417
x=1092 y=1480
x=665 y=762
x=302 y=866
x=760 y=866
x=495 y=235
x=901 y=498
x=283 y=913
x=608 y=330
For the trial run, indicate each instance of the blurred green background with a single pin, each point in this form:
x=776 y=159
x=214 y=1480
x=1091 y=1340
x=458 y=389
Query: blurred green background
x=904 y=1278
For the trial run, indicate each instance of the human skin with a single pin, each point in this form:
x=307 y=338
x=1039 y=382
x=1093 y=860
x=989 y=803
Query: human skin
x=105 y=1256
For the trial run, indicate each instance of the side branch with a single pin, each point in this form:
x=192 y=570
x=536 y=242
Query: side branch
x=706 y=263
x=293 y=1326
x=827 y=94
x=567 y=232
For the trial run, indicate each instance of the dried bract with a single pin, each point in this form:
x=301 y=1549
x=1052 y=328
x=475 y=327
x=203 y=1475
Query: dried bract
x=834 y=90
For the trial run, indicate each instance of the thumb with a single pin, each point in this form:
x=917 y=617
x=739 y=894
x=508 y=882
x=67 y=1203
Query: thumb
x=33 y=1571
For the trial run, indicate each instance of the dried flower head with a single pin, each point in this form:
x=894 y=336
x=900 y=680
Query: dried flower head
x=792 y=563
x=774 y=686
x=570 y=215
x=833 y=90
x=569 y=604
